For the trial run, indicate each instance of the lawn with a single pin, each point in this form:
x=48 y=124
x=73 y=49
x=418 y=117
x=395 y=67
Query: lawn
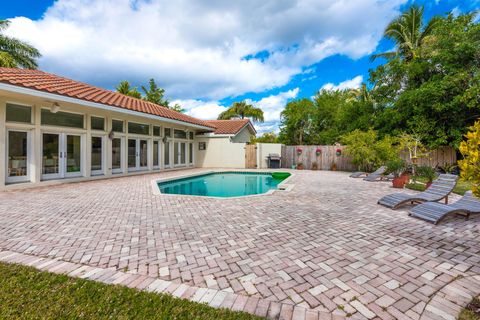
x=472 y=311
x=27 y=293
x=460 y=188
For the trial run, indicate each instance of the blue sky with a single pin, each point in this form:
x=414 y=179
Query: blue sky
x=207 y=54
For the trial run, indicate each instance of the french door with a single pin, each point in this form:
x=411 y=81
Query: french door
x=156 y=154
x=117 y=155
x=180 y=153
x=18 y=156
x=97 y=155
x=137 y=154
x=61 y=155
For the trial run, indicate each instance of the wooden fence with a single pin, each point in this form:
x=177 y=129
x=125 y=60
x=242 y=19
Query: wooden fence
x=328 y=157
x=325 y=160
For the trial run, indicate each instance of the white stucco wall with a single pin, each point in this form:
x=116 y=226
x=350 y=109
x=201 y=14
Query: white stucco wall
x=263 y=150
x=243 y=136
x=220 y=152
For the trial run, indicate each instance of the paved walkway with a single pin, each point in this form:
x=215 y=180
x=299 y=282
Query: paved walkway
x=324 y=246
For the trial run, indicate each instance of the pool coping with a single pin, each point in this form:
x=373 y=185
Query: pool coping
x=284 y=186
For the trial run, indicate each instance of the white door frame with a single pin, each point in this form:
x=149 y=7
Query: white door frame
x=179 y=154
x=122 y=155
x=26 y=177
x=102 y=170
x=137 y=154
x=159 y=153
x=62 y=153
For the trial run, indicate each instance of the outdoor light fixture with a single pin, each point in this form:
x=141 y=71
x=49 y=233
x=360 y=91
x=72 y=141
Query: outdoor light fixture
x=55 y=107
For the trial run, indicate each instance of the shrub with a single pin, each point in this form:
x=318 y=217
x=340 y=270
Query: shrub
x=470 y=165
x=366 y=151
x=396 y=166
x=426 y=172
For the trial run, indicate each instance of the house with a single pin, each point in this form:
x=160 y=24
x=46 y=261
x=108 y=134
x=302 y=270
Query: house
x=224 y=147
x=55 y=129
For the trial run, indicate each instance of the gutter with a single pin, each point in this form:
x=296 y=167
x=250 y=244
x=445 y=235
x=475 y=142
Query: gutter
x=53 y=96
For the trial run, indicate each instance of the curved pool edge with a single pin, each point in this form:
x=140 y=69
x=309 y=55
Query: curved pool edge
x=283 y=186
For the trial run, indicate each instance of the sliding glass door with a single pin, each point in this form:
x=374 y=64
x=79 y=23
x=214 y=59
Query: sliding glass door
x=137 y=154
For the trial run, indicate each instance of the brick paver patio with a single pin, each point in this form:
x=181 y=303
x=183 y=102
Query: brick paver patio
x=325 y=245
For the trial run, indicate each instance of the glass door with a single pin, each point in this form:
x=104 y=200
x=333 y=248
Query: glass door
x=61 y=155
x=180 y=154
x=17 y=156
x=97 y=155
x=117 y=155
x=190 y=153
x=137 y=154
x=156 y=154
x=166 y=154
x=51 y=156
x=72 y=155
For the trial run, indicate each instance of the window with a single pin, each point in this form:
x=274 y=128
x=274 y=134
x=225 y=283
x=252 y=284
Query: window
x=117 y=126
x=16 y=113
x=190 y=135
x=156 y=131
x=179 y=134
x=97 y=123
x=168 y=132
x=138 y=128
x=62 y=119
x=202 y=146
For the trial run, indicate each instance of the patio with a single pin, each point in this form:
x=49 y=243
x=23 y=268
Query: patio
x=325 y=245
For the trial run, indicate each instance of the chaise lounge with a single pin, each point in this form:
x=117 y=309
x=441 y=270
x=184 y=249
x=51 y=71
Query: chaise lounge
x=439 y=190
x=377 y=174
x=361 y=174
x=435 y=212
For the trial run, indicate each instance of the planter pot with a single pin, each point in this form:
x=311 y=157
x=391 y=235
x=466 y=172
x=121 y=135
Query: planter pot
x=398 y=182
x=405 y=177
x=299 y=167
x=428 y=184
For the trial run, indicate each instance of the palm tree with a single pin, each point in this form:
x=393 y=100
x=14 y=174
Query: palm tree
x=125 y=88
x=15 y=53
x=241 y=110
x=409 y=33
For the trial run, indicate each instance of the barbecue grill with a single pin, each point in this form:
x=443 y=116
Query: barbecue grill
x=274 y=161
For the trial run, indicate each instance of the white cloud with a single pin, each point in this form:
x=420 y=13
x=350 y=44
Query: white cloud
x=272 y=106
x=197 y=49
x=456 y=11
x=347 y=84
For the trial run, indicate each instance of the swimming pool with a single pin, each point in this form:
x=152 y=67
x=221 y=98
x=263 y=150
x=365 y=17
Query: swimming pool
x=222 y=184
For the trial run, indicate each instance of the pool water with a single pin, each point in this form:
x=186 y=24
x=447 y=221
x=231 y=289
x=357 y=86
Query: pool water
x=222 y=184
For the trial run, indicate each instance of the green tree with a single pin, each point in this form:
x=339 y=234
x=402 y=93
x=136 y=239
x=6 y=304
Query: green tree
x=155 y=94
x=15 y=53
x=241 y=110
x=409 y=33
x=125 y=88
x=470 y=165
x=267 y=137
x=297 y=126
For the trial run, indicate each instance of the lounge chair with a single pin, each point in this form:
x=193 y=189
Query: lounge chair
x=439 y=190
x=434 y=212
x=377 y=174
x=358 y=174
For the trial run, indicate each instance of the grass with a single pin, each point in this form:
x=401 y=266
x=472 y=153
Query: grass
x=460 y=188
x=472 y=311
x=26 y=293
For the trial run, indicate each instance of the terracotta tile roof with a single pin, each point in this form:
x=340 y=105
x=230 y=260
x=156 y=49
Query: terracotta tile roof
x=42 y=81
x=229 y=126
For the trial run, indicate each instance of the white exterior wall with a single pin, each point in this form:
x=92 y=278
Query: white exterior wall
x=263 y=150
x=243 y=136
x=220 y=152
x=35 y=130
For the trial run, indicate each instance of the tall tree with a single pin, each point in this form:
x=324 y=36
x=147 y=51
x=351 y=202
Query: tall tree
x=125 y=88
x=409 y=33
x=15 y=53
x=242 y=110
x=297 y=123
x=155 y=94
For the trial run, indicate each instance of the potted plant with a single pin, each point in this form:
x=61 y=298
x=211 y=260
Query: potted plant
x=318 y=151
x=428 y=173
x=299 y=151
x=299 y=166
x=314 y=166
x=333 y=167
x=338 y=152
x=397 y=168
